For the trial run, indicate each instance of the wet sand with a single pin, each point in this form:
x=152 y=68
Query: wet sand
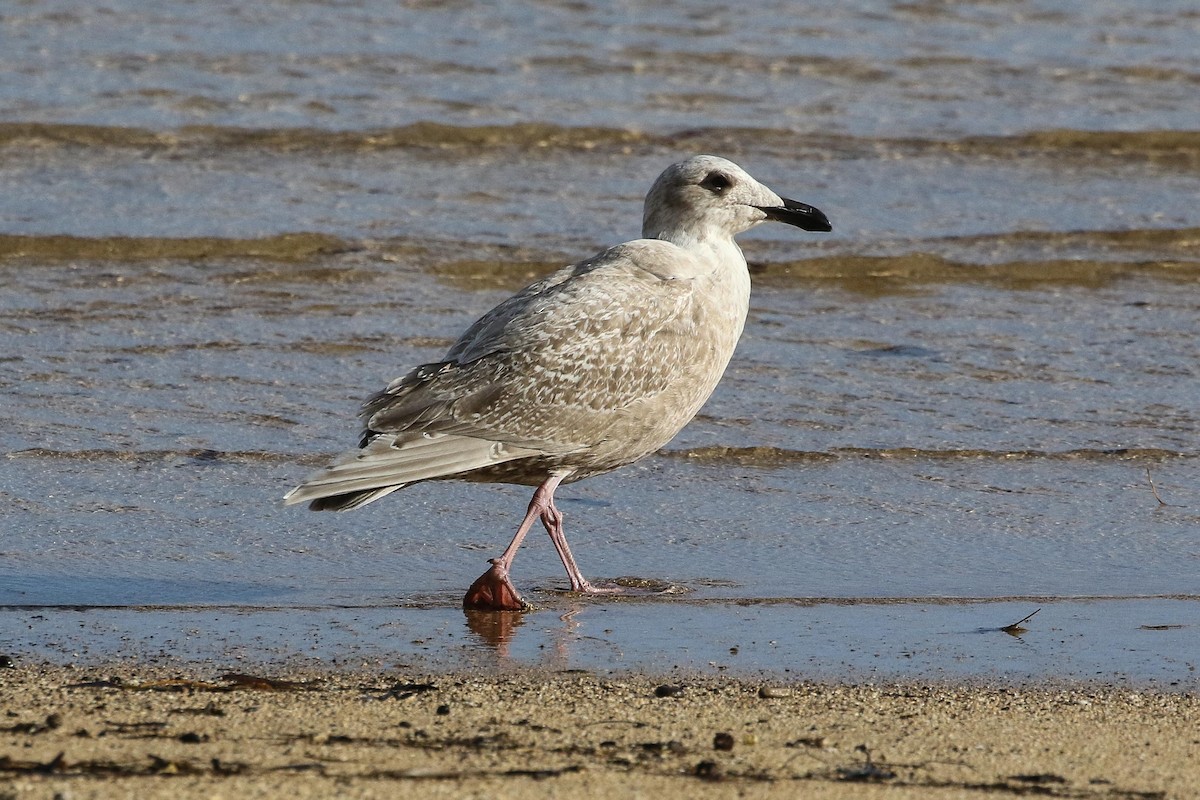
x=127 y=730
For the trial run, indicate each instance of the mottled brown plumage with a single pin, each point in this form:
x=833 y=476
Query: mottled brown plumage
x=587 y=370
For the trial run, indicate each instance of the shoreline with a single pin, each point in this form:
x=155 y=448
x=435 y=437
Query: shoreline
x=1133 y=644
x=196 y=731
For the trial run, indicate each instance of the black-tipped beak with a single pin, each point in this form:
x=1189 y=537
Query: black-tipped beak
x=802 y=215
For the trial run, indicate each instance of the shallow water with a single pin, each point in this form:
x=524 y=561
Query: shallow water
x=222 y=227
x=921 y=639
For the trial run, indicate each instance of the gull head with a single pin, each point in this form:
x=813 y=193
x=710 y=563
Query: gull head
x=708 y=198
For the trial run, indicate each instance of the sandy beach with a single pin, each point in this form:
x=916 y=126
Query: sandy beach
x=127 y=731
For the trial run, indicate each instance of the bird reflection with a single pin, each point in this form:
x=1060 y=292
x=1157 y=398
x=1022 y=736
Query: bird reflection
x=494 y=628
x=497 y=630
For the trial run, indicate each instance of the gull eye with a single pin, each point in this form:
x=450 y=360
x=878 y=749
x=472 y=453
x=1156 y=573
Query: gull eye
x=717 y=182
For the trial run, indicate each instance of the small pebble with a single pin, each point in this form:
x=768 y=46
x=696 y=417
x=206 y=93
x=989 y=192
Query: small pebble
x=723 y=741
x=443 y=711
x=708 y=770
x=773 y=692
x=668 y=690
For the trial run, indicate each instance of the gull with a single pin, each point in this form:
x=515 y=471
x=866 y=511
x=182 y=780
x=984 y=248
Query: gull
x=589 y=369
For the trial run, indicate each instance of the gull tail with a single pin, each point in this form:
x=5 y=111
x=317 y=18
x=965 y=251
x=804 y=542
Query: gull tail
x=390 y=462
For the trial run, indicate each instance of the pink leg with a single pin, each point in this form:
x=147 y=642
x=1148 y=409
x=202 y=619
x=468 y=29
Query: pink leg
x=494 y=590
x=552 y=518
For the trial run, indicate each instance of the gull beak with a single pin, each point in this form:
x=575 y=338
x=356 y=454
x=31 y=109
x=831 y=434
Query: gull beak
x=802 y=215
